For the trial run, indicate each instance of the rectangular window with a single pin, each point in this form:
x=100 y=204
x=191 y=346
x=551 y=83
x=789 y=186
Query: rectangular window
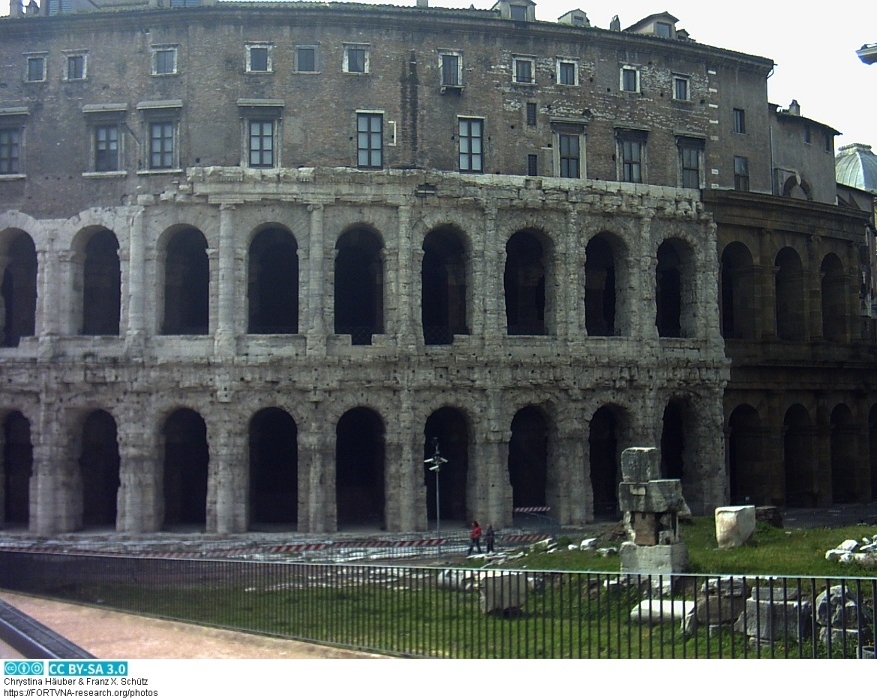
x=741 y=173
x=75 y=67
x=369 y=139
x=451 y=70
x=570 y=157
x=106 y=148
x=471 y=145
x=631 y=155
x=306 y=59
x=524 y=70
x=10 y=151
x=690 y=155
x=629 y=79
x=663 y=30
x=518 y=12
x=261 y=143
x=356 y=59
x=808 y=136
x=161 y=145
x=829 y=145
x=164 y=60
x=531 y=114
x=681 y=90
x=57 y=7
x=36 y=69
x=567 y=73
x=259 y=58
x=739 y=121
x=532 y=165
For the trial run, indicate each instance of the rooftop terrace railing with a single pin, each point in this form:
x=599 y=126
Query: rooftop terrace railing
x=474 y=613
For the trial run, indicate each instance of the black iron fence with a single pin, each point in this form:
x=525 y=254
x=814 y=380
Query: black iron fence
x=474 y=613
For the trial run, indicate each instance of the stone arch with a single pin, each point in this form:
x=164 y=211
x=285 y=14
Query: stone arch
x=528 y=457
x=359 y=285
x=738 y=308
x=186 y=283
x=843 y=443
x=833 y=297
x=18 y=287
x=17 y=469
x=526 y=281
x=675 y=289
x=273 y=282
x=606 y=441
x=273 y=449
x=798 y=458
x=185 y=470
x=607 y=311
x=360 y=455
x=745 y=434
x=444 y=278
x=449 y=428
x=97 y=280
x=796 y=187
x=789 y=295
x=99 y=467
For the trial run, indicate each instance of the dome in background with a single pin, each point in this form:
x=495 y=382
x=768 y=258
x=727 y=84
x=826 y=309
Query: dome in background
x=856 y=166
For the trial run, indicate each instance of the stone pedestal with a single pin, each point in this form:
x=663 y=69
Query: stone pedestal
x=663 y=559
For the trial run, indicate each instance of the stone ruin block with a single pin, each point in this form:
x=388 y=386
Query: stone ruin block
x=734 y=525
x=766 y=621
x=660 y=495
x=505 y=593
x=663 y=559
x=640 y=465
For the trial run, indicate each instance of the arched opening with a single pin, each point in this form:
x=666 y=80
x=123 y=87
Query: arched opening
x=19 y=290
x=673 y=447
x=675 y=298
x=789 y=287
x=17 y=470
x=843 y=456
x=359 y=468
x=744 y=458
x=272 y=289
x=186 y=284
x=738 y=308
x=528 y=458
x=798 y=458
x=449 y=427
x=273 y=469
x=600 y=288
x=605 y=461
x=833 y=293
x=525 y=284
x=101 y=285
x=99 y=465
x=186 y=460
x=359 y=286
x=443 y=279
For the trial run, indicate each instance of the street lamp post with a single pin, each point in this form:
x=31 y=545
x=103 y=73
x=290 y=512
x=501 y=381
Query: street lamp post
x=436 y=460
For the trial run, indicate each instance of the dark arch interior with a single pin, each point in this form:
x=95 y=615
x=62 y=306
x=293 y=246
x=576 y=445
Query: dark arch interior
x=19 y=291
x=359 y=281
x=18 y=468
x=273 y=283
x=101 y=285
x=186 y=458
x=443 y=277
x=448 y=427
x=528 y=458
x=599 y=288
x=187 y=285
x=359 y=463
x=668 y=291
x=273 y=468
x=604 y=462
x=524 y=282
x=99 y=464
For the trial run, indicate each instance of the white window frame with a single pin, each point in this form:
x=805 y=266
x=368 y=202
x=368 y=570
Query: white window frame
x=366 y=49
x=315 y=49
x=158 y=49
x=30 y=58
x=524 y=59
x=444 y=53
x=685 y=80
x=575 y=67
x=68 y=55
x=624 y=69
x=268 y=47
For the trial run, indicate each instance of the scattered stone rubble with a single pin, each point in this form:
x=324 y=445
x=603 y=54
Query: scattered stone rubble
x=862 y=553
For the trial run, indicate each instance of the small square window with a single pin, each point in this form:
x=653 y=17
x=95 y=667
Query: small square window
x=10 y=150
x=106 y=148
x=524 y=70
x=739 y=121
x=306 y=59
x=259 y=58
x=75 y=67
x=356 y=59
x=567 y=73
x=629 y=79
x=451 y=67
x=741 y=173
x=164 y=60
x=36 y=69
x=681 y=88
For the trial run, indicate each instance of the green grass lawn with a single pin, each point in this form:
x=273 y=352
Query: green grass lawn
x=771 y=551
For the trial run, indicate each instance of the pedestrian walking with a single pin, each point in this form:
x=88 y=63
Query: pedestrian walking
x=489 y=538
x=474 y=538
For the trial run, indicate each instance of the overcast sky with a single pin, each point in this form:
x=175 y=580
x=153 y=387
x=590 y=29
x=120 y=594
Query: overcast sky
x=814 y=49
